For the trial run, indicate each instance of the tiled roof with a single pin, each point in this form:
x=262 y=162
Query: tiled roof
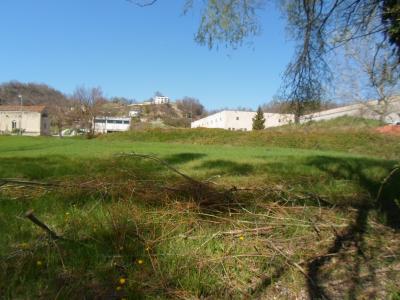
x=32 y=108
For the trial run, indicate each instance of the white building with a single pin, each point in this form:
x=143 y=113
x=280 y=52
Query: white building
x=160 y=100
x=135 y=113
x=368 y=110
x=240 y=120
x=111 y=124
x=29 y=120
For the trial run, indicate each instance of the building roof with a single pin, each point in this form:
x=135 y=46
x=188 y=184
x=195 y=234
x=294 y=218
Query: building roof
x=31 y=108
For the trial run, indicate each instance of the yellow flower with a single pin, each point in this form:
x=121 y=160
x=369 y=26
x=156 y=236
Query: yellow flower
x=147 y=248
x=122 y=280
x=118 y=288
x=24 y=245
x=140 y=261
x=121 y=248
x=241 y=238
x=39 y=263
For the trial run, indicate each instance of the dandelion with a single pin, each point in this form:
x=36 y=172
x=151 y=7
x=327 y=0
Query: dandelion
x=140 y=261
x=39 y=263
x=118 y=288
x=122 y=280
x=24 y=245
x=241 y=238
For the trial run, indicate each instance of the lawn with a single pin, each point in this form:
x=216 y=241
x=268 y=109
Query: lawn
x=263 y=217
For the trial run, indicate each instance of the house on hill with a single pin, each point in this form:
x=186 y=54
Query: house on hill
x=161 y=100
x=27 y=120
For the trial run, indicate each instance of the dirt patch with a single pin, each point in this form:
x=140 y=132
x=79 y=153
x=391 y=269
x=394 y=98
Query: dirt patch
x=389 y=129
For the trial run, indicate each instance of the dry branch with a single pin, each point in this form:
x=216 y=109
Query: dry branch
x=16 y=181
x=385 y=181
x=30 y=215
x=163 y=162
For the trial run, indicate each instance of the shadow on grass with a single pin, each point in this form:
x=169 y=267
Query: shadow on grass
x=353 y=237
x=58 y=166
x=181 y=158
x=227 y=166
x=40 y=167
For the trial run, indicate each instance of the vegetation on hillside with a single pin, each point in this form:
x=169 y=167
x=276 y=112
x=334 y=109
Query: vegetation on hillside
x=353 y=135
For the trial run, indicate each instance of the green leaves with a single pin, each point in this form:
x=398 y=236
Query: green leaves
x=227 y=22
x=258 y=120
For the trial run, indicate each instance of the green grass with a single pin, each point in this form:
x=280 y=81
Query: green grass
x=313 y=194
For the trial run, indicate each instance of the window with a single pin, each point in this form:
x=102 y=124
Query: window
x=237 y=118
x=118 y=121
x=14 y=125
x=44 y=115
x=110 y=121
x=99 y=121
x=126 y=122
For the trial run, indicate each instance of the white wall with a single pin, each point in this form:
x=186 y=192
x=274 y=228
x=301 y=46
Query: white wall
x=111 y=124
x=365 y=110
x=134 y=113
x=240 y=120
x=31 y=122
x=160 y=100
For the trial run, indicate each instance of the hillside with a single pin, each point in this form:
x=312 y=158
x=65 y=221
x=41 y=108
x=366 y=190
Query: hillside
x=347 y=134
x=33 y=94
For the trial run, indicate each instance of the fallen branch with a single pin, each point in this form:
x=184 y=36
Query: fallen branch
x=384 y=182
x=163 y=162
x=290 y=262
x=29 y=214
x=14 y=181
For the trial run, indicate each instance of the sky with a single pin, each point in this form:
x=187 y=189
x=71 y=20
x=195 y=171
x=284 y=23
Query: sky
x=133 y=52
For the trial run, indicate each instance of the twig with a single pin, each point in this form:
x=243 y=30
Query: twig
x=29 y=214
x=163 y=162
x=387 y=178
x=15 y=181
x=291 y=262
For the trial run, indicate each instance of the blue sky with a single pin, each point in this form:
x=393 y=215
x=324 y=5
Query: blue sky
x=133 y=52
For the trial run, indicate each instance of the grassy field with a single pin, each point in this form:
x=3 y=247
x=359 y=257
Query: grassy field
x=286 y=213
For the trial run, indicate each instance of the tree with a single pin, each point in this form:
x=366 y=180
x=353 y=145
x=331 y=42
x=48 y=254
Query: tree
x=258 y=120
x=88 y=103
x=391 y=17
x=318 y=26
x=158 y=94
x=369 y=64
x=191 y=107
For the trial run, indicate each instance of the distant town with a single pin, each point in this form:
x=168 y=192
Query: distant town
x=88 y=112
